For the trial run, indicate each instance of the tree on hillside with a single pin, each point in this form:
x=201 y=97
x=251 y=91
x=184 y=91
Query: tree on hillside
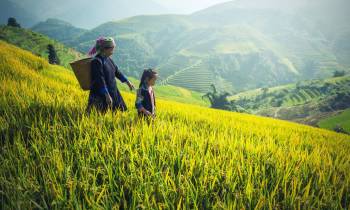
x=338 y=73
x=217 y=100
x=265 y=90
x=13 y=22
x=339 y=129
x=276 y=102
x=53 y=58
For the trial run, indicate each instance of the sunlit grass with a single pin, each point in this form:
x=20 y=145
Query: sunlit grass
x=54 y=156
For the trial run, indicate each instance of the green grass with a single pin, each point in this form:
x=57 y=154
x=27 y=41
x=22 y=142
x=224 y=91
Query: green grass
x=172 y=93
x=342 y=119
x=54 y=156
x=309 y=101
x=37 y=44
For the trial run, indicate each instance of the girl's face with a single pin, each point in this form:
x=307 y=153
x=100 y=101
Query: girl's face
x=152 y=81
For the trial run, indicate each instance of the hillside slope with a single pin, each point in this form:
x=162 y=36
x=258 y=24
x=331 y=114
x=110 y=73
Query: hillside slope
x=53 y=156
x=37 y=44
x=341 y=121
x=61 y=30
x=306 y=102
x=235 y=45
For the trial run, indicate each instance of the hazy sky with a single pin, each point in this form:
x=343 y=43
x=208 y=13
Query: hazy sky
x=188 y=6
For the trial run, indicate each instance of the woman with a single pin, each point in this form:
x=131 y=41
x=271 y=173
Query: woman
x=104 y=93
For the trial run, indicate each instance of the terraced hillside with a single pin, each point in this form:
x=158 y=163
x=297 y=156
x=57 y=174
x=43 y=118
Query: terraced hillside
x=242 y=45
x=195 y=77
x=307 y=102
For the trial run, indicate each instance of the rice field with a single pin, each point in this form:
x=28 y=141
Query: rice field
x=53 y=156
x=195 y=77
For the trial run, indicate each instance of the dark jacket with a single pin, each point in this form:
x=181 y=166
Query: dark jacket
x=103 y=73
x=143 y=99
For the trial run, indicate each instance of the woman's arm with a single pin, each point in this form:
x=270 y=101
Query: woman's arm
x=121 y=76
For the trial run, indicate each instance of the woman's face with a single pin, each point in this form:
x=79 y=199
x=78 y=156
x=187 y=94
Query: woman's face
x=108 y=51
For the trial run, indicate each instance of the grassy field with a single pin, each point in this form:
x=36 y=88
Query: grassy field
x=37 y=44
x=173 y=93
x=53 y=156
x=342 y=119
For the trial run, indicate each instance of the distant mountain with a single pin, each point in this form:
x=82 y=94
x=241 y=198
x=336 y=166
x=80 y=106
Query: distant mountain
x=88 y=13
x=22 y=15
x=237 y=45
x=321 y=20
x=61 y=30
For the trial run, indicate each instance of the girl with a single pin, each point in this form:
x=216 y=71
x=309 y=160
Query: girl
x=104 y=93
x=145 y=99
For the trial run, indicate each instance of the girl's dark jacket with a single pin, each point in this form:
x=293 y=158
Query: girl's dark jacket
x=143 y=99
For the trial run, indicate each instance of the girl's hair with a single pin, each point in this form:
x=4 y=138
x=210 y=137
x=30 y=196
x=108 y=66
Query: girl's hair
x=147 y=74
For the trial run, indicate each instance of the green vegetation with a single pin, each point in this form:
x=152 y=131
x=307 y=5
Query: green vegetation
x=235 y=48
x=37 y=44
x=339 y=74
x=219 y=100
x=53 y=156
x=13 y=22
x=195 y=77
x=173 y=93
x=293 y=94
x=62 y=31
x=342 y=119
x=306 y=102
x=53 y=58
